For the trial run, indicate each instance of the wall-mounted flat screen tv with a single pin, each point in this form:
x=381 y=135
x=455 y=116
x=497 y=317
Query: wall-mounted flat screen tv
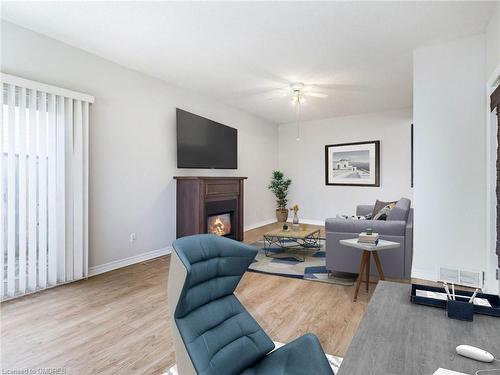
x=203 y=143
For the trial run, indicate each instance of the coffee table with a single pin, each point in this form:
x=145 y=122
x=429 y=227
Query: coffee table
x=365 y=258
x=293 y=241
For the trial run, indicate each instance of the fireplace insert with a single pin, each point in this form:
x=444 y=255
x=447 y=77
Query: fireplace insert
x=221 y=218
x=219 y=224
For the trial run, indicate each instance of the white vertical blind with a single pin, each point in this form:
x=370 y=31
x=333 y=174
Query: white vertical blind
x=85 y=190
x=61 y=190
x=22 y=182
x=11 y=194
x=78 y=191
x=42 y=191
x=43 y=186
x=2 y=200
x=32 y=196
x=69 y=189
x=51 y=198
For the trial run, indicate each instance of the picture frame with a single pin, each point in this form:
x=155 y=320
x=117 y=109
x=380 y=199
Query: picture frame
x=353 y=164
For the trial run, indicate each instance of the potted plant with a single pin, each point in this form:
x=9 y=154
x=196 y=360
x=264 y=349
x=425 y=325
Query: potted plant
x=279 y=186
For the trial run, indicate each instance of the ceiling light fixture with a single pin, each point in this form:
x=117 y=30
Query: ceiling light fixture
x=297 y=96
x=297 y=138
x=297 y=100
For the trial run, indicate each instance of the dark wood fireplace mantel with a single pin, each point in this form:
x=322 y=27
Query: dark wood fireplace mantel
x=198 y=197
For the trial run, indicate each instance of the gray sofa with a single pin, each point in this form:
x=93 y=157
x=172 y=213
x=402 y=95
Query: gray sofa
x=398 y=228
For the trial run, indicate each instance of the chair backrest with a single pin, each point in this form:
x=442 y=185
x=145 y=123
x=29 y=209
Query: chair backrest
x=219 y=335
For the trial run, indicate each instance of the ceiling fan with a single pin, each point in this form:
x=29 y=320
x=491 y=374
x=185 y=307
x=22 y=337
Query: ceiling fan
x=297 y=92
x=295 y=89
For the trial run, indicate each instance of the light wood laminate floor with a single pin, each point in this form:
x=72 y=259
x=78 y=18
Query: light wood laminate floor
x=118 y=322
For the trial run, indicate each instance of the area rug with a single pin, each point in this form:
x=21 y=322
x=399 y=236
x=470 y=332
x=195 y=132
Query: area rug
x=334 y=361
x=282 y=263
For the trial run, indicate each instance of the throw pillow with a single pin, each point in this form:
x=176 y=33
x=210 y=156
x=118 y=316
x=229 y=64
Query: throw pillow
x=378 y=206
x=382 y=214
x=354 y=217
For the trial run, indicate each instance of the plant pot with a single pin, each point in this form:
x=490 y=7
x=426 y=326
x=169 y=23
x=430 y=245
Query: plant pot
x=281 y=215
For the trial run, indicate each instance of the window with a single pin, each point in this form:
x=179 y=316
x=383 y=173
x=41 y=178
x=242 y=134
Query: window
x=43 y=186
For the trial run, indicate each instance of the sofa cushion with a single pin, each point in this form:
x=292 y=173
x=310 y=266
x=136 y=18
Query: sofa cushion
x=355 y=217
x=389 y=228
x=401 y=211
x=378 y=206
x=303 y=356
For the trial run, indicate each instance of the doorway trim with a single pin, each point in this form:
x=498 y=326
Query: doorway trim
x=491 y=284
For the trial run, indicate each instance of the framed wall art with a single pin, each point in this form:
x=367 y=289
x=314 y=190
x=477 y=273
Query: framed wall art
x=353 y=164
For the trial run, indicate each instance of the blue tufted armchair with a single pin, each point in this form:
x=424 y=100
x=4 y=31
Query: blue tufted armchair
x=213 y=333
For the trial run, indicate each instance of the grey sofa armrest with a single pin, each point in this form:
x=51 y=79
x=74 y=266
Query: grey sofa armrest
x=364 y=209
x=409 y=224
x=382 y=227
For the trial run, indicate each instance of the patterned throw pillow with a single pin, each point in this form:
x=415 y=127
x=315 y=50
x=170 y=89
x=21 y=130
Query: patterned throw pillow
x=382 y=214
x=379 y=205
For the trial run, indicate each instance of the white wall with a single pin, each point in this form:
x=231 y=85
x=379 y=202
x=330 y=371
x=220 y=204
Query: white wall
x=493 y=42
x=304 y=161
x=133 y=143
x=449 y=194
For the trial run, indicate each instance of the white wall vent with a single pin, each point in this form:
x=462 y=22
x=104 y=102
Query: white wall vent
x=466 y=278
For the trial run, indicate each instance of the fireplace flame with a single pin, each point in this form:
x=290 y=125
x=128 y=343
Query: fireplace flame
x=219 y=226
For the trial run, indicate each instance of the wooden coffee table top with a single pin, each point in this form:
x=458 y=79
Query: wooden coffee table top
x=303 y=232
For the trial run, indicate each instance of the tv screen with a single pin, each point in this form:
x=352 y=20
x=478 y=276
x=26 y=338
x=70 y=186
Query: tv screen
x=203 y=143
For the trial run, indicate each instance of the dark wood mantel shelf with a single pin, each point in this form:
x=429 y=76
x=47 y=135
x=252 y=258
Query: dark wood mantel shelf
x=208 y=178
x=198 y=196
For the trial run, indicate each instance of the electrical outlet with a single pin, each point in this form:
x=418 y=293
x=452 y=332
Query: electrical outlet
x=132 y=237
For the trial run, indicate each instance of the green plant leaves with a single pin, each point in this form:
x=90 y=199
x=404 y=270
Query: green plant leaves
x=279 y=186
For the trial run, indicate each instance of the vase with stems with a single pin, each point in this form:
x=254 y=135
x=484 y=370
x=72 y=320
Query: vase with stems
x=295 y=222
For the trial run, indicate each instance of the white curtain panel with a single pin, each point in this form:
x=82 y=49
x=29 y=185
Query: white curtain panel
x=44 y=138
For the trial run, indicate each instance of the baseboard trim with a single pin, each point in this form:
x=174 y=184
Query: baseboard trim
x=259 y=224
x=110 y=266
x=424 y=274
x=313 y=222
x=309 y=221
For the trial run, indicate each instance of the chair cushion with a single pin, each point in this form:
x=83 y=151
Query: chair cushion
x=222 y=337
x=214 y=267
x=303 y=356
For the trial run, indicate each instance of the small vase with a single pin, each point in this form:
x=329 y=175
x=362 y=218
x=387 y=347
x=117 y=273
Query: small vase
x=295 y=223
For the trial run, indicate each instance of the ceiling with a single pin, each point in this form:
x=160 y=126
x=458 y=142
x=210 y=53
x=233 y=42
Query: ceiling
x=238 y=52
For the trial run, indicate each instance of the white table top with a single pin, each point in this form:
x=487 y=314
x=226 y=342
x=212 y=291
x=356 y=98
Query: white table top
x=382 y=245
